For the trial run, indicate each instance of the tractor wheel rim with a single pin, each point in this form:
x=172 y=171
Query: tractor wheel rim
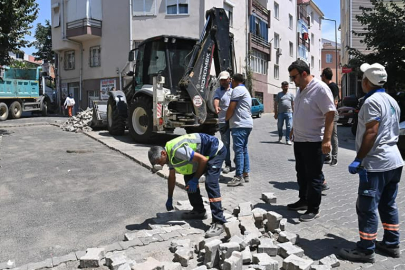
x=137 y=115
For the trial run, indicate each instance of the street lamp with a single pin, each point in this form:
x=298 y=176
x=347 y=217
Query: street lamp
x=336 y=50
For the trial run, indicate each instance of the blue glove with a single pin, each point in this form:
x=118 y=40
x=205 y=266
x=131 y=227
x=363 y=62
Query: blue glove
x=169 y=204
x=192 y=185
x=354 y=166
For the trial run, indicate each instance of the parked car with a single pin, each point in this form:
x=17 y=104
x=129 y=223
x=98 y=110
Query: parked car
x=346 y=115
x=257 y=108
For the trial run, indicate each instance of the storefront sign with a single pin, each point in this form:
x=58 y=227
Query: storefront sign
x=346 y=70
x=106 y=86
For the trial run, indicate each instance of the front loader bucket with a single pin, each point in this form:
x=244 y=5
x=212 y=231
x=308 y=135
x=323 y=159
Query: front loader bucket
x=99 y=114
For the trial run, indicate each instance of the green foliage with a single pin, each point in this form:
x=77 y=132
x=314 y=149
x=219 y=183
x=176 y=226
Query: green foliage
x=21 y=64
x=384 y=36
x=15 y=19
x=43 y=42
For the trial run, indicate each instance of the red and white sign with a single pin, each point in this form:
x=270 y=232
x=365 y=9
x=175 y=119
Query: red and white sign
x=159 y=110
x=346 y=70
x=197 y=100
x=106 y=86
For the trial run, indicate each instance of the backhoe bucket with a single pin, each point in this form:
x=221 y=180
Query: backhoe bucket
x=99 y=114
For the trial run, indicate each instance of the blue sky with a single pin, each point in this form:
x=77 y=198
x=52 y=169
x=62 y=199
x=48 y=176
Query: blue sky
x=331 y=9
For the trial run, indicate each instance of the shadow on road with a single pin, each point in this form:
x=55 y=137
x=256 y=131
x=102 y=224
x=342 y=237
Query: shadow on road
x=285 y=185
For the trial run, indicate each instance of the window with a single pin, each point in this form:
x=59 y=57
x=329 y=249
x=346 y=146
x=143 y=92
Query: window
x=291 y=49
x=55 y=15
x=312 y=62
x=144 y=7
x=276 y=71
x=276 y=41
x=312 y=39
x=95 y=56
x=178 y=7
x=320 y=23
x=290 y=21
x=258 y=62
x=276 y=10
x=258 y=27
x=229 y=12
x=69 y=60
x=312 y=18
x=328 y=58
x=135 y=44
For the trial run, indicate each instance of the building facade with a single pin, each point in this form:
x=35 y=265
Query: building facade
x=330 y=58
x=92 y=39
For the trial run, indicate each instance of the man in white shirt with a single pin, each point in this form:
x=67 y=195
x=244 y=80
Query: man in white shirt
x=314 y=111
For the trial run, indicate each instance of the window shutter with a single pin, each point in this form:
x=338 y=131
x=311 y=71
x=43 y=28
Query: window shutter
x=252 y=24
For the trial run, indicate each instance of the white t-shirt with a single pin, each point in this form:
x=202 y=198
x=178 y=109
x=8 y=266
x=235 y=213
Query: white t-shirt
x=385 y=155
x=310 y=106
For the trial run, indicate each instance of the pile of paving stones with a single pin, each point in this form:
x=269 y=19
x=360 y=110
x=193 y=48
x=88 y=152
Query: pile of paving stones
x=80 y=122
x=254 y=239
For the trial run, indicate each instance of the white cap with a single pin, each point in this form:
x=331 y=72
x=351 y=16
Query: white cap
x=375 y=73
x=224 y=75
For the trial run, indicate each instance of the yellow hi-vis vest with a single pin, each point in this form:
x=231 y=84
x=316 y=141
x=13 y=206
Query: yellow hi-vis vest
x=184 y=167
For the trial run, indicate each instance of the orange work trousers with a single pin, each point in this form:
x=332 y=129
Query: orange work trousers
x=70 y=108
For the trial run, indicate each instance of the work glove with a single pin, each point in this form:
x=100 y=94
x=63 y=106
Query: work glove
x=169 y=204
x=354 y=166
x=192 y=185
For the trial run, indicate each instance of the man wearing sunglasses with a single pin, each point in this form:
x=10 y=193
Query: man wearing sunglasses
x=194 y=155
x=314 y=111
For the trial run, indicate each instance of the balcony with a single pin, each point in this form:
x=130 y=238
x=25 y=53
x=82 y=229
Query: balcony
x=302 y=14
x=84 y=29
x=259 y=43
x=260 y=11
x=306 y=43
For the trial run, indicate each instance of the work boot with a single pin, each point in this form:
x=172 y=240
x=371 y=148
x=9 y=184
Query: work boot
x=392 y=251
x=236 y=181
x=227 y=169
x=215 y=230
x=299 y=205
x=356 y=255
x=194 y=215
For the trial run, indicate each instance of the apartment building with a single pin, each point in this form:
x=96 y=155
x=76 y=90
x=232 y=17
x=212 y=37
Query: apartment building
x=331 y=60
x=92 y=39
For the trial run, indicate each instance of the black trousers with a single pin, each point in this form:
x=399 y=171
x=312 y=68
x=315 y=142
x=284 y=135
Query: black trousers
x=308 y=164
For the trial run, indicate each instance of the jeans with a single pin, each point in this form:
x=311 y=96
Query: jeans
x=212 y=173
x=225 y=132
x=378 y=191
x=308 y=164
x=240 y=140
x=334 y=140
x=287 y=117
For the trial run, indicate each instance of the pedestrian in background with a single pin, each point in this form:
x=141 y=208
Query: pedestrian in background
x=314 y=111
x=239 y=115
x=379 y=164
x=222 y=98
x=194 y=155
x=62 y=104
x=283 y=111
x=69 y=103
x=326 y=76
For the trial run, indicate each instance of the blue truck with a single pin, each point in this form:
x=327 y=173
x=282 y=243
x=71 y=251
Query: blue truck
x=25 y=90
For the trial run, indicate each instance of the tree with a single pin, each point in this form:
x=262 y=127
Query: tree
x=43 y=42
x=15 y=19
x=384 y=37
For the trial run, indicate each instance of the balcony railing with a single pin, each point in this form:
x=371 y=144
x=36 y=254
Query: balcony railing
x=260 y=7
x=258 y=40
x=84 y=23
x=302 y=14
x=84 y=29
x=302 y=41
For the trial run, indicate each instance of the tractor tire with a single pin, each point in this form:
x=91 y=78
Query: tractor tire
x=140 y=121
x=209 y=129
x=15 y=110
x=115 y=122
x=3 y=111
x=44 y=111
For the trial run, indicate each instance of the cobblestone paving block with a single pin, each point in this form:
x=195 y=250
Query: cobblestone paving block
x=115 y=260
x=172 y=266
x=234 y=262
x=80 y=254
x=232 y=228
x=294 y=262
x=180 y=243
x=265 y=260
x=127 y=244
x=242 y=243
x=158 y=226
x=183 y=255
x=331 y=261
x=175 y=228
x=92 y=258
x=22 y=267
x=229 y=217
x=288 y=249
x=186 y=232
x=202 y=267
x=226 y=249
x=273 y=221
x=151 y=239
x=268 y=246
x=124 y=266
x=252 y=240
x=246 y=256
x=170 y=235
x=38 y=265
x=257 y=267
x=269 y=198
x=149 y=264
x=320 y=267
x=259 y=214
x=245 y=209
x=212 y=257
x=287 y=237
x=183 y=207
x=143 y=233
x=248 y=226
x=9 y=264
x=283 y=224
x=62 y=259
